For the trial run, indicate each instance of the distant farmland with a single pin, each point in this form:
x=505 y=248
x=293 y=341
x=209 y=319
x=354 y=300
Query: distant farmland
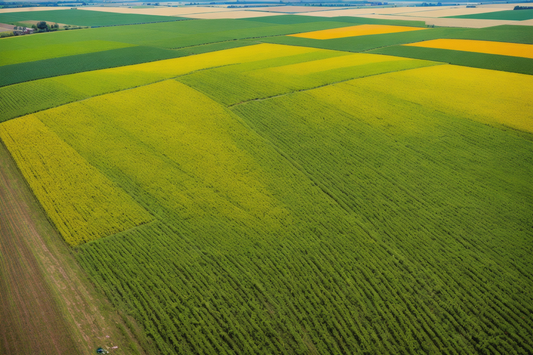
x=275 y=185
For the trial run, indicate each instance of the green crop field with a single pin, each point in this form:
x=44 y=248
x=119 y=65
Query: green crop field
x=220 y=187
x=515 y=15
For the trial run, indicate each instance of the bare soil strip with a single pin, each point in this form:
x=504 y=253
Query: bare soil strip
x=31 y=319
x=47 y=304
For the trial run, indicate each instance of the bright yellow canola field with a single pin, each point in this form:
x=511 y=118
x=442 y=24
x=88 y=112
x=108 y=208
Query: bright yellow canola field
x=489 y=47
x=353 y=31
x=82 y=203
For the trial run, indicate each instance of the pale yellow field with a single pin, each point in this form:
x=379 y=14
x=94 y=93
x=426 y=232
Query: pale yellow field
x=160 y=11
x=457 y=11
x=467 y=22
x=353 y=31
x=232 y=15
x=360 y=12
x=489 y=47
x=173 y=67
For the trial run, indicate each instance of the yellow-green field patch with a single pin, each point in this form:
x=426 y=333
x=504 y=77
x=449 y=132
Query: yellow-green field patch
x=177 y=144
x=57 y=50
x=82 y=203
x=488 y=96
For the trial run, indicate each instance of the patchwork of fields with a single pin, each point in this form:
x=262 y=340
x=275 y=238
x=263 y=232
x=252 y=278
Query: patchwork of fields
x=489 y=47
x=354 y=31
x=270 y=189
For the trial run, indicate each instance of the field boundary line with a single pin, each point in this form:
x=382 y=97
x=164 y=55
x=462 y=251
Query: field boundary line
x=316 y=182
x=75 y=248
x=334 y=83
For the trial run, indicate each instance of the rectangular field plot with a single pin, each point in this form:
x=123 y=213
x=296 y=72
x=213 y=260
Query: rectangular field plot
x=489 y=47
x=57 y=50
x=488 y=96
x=514 y=15
x=83 y=18
x=354 y=31
x=235 y=84
x=19 y=99
x=80 y=201
x=363 y=192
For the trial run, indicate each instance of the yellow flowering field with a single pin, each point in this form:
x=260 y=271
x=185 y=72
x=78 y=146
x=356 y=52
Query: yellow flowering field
x=82 y=203
x=353 y=31
x=179 y=146
x=32 y=96
x=488 y=96
x=489 y=47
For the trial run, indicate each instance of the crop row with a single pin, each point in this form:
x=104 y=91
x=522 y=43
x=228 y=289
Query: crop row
x=81 y=202
x=29 y=97
x=356 y=217
x=334 y=229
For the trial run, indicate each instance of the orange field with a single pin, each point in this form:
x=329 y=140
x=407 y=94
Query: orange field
x=353 y=31
x=489 y=47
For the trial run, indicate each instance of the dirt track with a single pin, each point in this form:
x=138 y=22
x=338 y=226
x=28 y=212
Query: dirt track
x=47 y=306
x=32 y=322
